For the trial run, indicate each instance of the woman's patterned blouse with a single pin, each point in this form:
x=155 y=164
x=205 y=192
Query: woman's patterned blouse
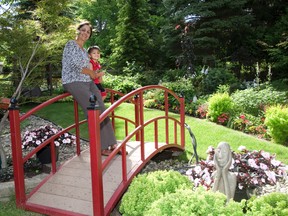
x=73 y=61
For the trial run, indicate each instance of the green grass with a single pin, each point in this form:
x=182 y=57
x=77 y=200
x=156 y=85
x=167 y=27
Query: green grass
x=206 y=133
x=9 y=209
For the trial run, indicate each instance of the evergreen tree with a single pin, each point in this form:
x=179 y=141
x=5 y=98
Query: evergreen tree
x=132 y=42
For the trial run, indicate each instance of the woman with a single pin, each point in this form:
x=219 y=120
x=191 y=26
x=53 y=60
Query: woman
x=77 y=80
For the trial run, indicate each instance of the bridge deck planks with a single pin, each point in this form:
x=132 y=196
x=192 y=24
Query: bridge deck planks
x=70 y=188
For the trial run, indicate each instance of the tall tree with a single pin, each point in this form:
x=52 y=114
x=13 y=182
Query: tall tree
x=132 y=42
x=31 y=44
x=103 y=16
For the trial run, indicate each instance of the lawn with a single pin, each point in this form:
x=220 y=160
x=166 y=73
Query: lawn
x=206 y=133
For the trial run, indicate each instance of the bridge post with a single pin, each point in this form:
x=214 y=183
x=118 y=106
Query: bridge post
x=136 y=99
x=76 y=119
x=182 y=121
x=17 y=153
x=95 y=157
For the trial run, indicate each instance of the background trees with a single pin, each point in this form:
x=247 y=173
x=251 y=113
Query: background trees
x=162 y=39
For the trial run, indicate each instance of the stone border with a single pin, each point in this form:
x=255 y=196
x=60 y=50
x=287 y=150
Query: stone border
x=7 y=188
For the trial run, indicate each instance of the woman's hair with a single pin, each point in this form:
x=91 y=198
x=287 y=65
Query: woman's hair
x=83 y=24
x=90 y=49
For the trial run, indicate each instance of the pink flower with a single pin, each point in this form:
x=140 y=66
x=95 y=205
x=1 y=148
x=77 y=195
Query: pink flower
x=252 y=163
x=263 y=166
x=271 y=176
x=177 y=27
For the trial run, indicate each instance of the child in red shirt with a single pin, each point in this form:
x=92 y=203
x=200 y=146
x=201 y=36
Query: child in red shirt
x=94 y=54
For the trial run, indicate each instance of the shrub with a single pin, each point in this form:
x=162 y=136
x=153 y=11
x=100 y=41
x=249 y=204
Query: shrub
x=217 y=77
x=249 y=124
x=270 y=204
x=253 y=101
x=199 y=202
x=277 y=123
x=149 y=187
x=218 y=104
x=120 y=83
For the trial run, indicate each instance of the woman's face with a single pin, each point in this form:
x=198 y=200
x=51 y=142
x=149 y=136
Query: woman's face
x=84 y=33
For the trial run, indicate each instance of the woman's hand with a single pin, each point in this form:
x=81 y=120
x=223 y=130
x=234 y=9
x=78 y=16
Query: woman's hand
x=100 y=74
x=92 y=74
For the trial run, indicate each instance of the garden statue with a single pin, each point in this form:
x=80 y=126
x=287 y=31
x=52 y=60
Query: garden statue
x=224 y=181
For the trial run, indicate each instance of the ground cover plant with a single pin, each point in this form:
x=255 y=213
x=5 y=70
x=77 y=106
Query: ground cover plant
x=147 y=188
x=252 y=168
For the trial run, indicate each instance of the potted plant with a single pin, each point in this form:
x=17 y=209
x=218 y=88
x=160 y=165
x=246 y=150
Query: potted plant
x=36 y=137
x=253 y=169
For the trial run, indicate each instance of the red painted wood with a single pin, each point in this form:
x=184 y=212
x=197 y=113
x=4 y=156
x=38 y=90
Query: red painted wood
x=97 y=166
x=96 y=163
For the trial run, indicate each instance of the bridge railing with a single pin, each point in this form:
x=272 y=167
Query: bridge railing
x=138 y=133
x=94 y=119
x=16 y=140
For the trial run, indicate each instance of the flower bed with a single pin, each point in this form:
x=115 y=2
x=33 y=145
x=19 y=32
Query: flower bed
x=36 y=137
x=253 y=169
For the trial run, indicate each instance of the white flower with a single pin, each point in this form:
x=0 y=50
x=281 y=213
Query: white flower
x=189 y=172
x=196 y=182
x=57 y=143
x=210 y=149
x=266 y=155
x=38 y=142
x=242 y=148
x=198 y=170
x=275 y=163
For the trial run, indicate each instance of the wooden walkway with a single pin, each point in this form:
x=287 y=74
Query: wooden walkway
x=70 y=188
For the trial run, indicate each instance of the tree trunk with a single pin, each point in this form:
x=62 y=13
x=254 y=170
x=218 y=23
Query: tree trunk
x=2 y=151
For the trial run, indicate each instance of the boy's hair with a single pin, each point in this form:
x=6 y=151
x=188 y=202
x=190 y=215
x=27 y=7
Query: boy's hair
x=90 y=49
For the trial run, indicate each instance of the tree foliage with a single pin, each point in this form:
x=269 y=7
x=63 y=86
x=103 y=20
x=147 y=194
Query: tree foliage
x=132 y=42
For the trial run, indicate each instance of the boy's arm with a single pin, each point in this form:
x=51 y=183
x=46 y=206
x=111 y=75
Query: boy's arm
x=90 y=66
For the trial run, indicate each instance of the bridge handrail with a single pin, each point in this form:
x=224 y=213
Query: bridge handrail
x=135 y=96
x=133 y=133
x=133 y=93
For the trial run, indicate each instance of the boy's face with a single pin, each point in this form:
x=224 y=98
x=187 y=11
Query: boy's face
x=95 y=54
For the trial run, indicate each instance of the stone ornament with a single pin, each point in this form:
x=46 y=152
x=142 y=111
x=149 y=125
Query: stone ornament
x=224 y=181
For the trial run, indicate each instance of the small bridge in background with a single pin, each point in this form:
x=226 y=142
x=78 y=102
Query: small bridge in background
x=88 y=183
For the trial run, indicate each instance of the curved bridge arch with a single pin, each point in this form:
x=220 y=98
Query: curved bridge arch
x=140 y=151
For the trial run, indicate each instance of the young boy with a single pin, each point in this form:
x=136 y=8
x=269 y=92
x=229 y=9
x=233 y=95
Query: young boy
x=94 y=54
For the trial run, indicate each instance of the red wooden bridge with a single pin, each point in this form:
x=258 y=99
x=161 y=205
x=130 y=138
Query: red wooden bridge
x=88 y=183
